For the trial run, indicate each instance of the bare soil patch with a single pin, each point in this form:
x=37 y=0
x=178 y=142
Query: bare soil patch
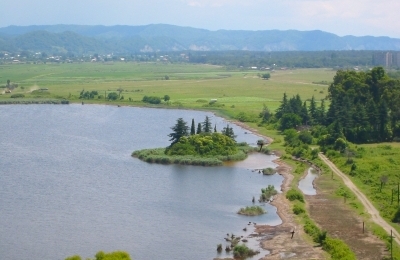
x=340 y=221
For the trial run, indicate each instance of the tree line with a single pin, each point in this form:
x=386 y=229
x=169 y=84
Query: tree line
x=364 y=108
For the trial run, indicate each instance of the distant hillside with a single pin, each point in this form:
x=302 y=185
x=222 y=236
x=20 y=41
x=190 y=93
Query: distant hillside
x=160 y=37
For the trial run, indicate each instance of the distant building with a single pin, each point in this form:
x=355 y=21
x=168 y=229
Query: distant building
x=384 y=59
x=396 y=59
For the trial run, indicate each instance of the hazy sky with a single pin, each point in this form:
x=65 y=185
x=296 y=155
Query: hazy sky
x=342 y=17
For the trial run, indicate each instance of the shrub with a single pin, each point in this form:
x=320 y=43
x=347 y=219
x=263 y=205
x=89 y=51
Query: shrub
x=268 y=171
x=298 y=209
x=112 y=96
x=151 y=100
x=17 y=95
x=337 y=249
x=293 y=194
x=305 y=137
x=251 y=211
x=242 y=251
x=267 y=193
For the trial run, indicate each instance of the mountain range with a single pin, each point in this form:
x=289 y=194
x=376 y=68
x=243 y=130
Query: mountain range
x=161 y=37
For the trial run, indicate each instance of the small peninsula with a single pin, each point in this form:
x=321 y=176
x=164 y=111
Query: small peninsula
x=202 y=146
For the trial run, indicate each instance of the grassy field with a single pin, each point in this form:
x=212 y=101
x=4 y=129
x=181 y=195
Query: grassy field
x=189 y=86
x=374 y=161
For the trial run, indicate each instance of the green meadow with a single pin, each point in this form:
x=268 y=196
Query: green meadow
x=188 y=85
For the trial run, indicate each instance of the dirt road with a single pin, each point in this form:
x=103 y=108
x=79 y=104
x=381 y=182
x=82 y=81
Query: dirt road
x=367 y=204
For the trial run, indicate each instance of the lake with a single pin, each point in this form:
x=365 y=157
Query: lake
x=68 y=185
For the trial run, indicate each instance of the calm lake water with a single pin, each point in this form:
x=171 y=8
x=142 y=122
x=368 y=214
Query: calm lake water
x=68 y=185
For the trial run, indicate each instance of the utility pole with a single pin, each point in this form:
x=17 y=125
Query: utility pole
x=391 y=245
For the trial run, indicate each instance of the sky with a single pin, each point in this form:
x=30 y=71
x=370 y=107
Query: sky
x=341 y=17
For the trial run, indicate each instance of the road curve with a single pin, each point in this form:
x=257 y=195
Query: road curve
x=367 y=204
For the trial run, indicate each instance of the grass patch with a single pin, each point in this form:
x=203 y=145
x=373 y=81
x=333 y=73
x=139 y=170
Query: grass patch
x=242 y=252
x=298 y=208
x=252 y=211
x=158 y=155
x=294 y=194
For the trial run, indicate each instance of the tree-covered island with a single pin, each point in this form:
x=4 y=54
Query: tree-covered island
x=205 y=146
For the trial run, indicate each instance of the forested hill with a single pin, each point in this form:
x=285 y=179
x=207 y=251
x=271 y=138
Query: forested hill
x=161 y=37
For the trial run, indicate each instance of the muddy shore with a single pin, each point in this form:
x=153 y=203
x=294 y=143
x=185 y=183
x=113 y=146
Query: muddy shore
x=278 y=239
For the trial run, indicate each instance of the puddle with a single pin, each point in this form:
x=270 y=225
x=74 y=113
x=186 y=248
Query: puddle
x=306 y=184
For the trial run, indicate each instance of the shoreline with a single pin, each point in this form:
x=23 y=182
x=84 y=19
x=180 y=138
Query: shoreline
x=275 y=239
x=278 y=239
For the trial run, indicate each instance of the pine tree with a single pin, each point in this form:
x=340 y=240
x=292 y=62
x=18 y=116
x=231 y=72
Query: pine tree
x=304 y=114
x=180 y=129
x=383 y=121
x=206 y=126
x=228 y=131
x=283 y=108
x=198 y=131
x=312 y=110
x=192 y=128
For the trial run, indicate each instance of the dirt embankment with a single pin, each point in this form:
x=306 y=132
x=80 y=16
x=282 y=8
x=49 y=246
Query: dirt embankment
x=328 y=212
x=278 y=239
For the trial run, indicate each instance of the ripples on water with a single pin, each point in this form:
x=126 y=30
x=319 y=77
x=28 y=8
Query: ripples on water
x=68 y=185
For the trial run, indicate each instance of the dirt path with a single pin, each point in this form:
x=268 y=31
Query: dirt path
x=367 y=204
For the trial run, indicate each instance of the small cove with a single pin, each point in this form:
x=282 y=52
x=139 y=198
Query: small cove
x=68 y=185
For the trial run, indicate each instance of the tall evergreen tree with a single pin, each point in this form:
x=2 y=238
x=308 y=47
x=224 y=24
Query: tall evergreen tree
x=304 y=114
x=228 y=131
x=198 y=131
x=321 y=116
x=383 y=121
x=206 y=126
x=192 y=128
x=180 y=129
x=283 y=108
x=312 y=110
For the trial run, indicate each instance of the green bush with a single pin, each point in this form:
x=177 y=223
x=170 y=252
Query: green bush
x=19 y=95
x=311 y=229
x=298 y=209
x=267 y=193
x=268 y=171
x=338 y=249
x=242 y=251
x=151 y=100
x=251 y=211
x=293 y=194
